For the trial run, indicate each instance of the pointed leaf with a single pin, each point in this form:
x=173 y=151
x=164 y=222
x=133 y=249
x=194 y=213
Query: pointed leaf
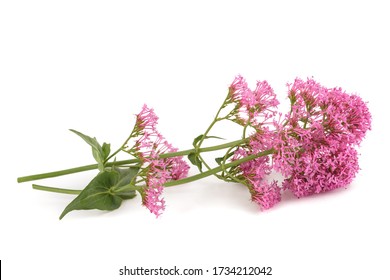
x=194 y=159
x=219 y=160
x=105 y=192
x=197 y=139
x=99 y=153
x=106 y=148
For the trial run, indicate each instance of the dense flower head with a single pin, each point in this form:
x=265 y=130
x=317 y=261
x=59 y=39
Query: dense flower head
x=343 y=116
x=321 y=169
x=148 y=147
x=265 y=194
x=291 y=142
x=315 y=141
x=253 y=106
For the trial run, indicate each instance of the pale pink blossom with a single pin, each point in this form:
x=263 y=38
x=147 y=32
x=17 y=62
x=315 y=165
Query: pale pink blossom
x=256 y=169
x=255 y=107
x=265 y=194
x=322 y=169
x=315 y=142
x=149 y=146
x=152 y=198
x=146 y=119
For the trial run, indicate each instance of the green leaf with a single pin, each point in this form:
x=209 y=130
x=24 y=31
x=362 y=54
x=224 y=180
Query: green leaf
x=197 y=139
x=99 y=153
x=219 y=160
x=106 y=191
x=194 y=159
x=106 y=148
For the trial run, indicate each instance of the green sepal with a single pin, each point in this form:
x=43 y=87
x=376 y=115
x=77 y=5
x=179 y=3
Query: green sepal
x=293 y=97
x=100 y=153
x=106 y=191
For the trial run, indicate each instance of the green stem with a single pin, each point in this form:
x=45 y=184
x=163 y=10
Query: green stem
x=70 y=171
x=57 y=173
x=121 y=148
x=123 y=162
x=177 y=182
x=197 y=148
x=56 y=190
x=216 y=119
x=228 y=174
x=199 y=144
x=218 y=169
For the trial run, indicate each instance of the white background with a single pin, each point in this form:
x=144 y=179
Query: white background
x=90 y=65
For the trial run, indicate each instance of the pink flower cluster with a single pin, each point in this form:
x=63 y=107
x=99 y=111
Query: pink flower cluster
x=266 y=194
x=253 y=107
x=316 y=139
x=314 y=143
x=149 y=146
x=253 y=173
x=312 y=146
x=322 y=169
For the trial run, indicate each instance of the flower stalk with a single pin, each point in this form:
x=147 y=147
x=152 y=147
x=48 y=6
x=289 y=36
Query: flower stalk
x=124 y=162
